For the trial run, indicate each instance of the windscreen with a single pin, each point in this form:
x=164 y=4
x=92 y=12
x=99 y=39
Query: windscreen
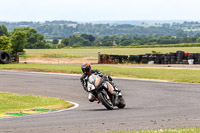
x=93 y=78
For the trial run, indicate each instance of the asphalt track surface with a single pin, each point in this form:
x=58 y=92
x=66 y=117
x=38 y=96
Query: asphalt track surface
x=150 y=105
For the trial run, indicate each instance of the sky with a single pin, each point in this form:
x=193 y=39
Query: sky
x=99 y=10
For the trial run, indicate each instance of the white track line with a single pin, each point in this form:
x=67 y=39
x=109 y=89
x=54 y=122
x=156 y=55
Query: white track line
x=75 y=105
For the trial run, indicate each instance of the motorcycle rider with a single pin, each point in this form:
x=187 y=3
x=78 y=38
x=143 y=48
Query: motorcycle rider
x=87 y=71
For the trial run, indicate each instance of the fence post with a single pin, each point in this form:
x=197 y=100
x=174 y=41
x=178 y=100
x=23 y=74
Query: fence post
x=17 y=57
x=99 y=59
x=58 y=56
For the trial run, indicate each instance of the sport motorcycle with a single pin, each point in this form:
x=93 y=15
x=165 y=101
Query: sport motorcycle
x=103 y=90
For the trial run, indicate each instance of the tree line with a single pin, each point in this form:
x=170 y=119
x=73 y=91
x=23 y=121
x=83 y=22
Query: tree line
x=62 y=29
x=20 y=38
x=90 y=40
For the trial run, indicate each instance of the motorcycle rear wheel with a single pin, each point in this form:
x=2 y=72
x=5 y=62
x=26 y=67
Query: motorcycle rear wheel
x=105 y=101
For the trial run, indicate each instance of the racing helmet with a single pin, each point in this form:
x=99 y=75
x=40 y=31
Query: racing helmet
x=86 y=68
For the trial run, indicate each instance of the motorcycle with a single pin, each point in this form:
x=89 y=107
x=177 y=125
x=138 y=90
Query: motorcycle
x=102 y=90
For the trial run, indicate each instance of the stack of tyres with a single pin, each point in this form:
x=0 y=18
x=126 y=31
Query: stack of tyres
x=158 y=58
x=123 y=58
x=140 y=58
x=5 y=57
x=118 y=58
x=196 y=57
x=145 y=59
x=134 y=59
x=167 y=59
x=180 y=57
x=162 y=59
x=15 y=58
x=190 y=56
x=114 y=58
x=105 y=59
x=172 y=58
x=151 y=58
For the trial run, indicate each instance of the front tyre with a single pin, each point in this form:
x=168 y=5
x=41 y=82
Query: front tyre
x=122 y=103
x=105 y=99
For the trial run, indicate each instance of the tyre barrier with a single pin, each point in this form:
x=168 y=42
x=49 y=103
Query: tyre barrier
x=112 y=59
x=179 y=57
x=5 y=57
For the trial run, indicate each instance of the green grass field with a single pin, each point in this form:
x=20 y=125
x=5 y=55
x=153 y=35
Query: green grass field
x=186 y=130
x=166 y=74
x=14 y=102
x=118 y=51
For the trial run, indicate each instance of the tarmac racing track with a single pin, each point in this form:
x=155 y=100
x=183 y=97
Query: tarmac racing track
x=150 y=105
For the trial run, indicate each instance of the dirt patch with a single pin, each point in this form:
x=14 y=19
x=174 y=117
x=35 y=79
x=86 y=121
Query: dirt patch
x=41 y=60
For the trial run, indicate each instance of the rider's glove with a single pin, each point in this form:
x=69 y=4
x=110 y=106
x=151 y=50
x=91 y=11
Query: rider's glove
x=105 y=76
x=101 y=74
x=109 y=78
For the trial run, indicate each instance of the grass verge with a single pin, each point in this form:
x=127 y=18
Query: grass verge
x=15 y=103
x=167 y=74
x=186 y=130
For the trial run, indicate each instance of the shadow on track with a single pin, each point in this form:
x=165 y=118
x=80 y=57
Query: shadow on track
x=104 y=109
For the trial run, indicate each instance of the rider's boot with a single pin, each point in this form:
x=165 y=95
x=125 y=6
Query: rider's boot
x=91 y=97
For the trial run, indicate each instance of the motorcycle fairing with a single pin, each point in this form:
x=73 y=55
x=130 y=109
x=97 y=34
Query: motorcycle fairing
x=109 y=87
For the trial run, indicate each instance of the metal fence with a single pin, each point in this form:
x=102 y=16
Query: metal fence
x=58 y=58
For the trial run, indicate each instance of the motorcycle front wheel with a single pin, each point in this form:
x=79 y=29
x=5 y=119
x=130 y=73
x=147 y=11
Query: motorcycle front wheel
x=105 y=99
x=122 y=103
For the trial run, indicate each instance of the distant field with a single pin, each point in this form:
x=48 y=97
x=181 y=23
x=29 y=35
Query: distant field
x=119 y=51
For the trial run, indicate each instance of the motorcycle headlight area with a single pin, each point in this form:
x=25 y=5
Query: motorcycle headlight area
x=91 y=87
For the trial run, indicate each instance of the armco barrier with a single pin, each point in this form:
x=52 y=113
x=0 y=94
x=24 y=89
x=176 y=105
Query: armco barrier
x=179 y=57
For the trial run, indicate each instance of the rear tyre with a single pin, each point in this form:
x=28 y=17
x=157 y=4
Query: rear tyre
x=106 y=101
x=122 y=103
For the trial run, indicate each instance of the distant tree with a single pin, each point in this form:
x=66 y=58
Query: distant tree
x=65 y=41
x=84 y=35
x=5 y=43
x=97 y=42
x=126 y=43
x=18 y=40
x=35 y=40
x=55 y=41
x=86 y=43
x=181 y=34
x=60 y=46
x=107 y=41
x=75 y=45
x=3 y=30
x=198 y=40
x=75 y=38
x=91 y=38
